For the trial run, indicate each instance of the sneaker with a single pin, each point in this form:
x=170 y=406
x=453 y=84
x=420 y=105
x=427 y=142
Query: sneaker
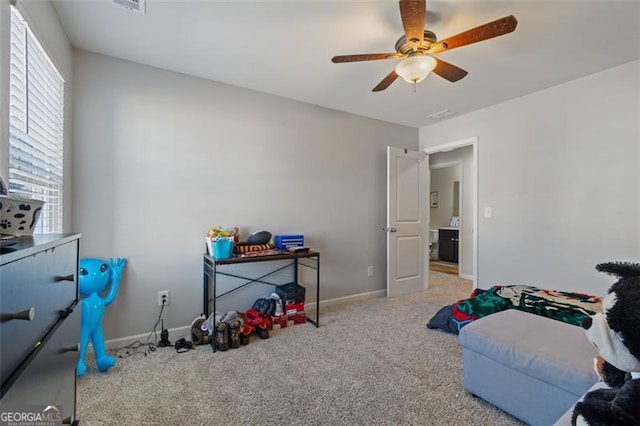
x=230 y=316
x=262 y=329
x=252 y=317
x=234 y=334
x=271 y=307
x=262 y=332
x=222 y=336
x=210 y=324
x=279 y=309
x=199 y=336
x=260 y=305
x=245 y=334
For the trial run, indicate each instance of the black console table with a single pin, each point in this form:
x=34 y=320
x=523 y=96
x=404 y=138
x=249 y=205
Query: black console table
x=214 y=267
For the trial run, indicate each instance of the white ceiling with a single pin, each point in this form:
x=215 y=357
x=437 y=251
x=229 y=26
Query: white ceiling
x=284 y=48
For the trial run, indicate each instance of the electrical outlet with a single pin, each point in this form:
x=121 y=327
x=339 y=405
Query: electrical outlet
x=163 y=296
x=370 y=271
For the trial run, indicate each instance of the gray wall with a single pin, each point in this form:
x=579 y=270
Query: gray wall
x=442 y=182
x=44 y=23
x=160 y=157
x=561 y=171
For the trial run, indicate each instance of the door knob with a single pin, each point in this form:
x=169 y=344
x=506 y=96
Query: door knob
x=386 y=228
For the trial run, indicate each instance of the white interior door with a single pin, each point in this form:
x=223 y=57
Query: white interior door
x=407 y=221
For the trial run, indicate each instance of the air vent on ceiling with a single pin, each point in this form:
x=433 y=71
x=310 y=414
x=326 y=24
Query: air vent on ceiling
x=440 y=114
x=134 y=5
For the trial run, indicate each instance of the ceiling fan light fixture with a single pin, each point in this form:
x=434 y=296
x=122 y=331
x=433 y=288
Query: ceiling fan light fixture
x=415 y=68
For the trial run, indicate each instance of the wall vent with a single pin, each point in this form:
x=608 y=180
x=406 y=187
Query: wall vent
x=440 y=114
x=134 y=5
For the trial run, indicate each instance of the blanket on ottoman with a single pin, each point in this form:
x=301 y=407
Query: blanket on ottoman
x=568 y=307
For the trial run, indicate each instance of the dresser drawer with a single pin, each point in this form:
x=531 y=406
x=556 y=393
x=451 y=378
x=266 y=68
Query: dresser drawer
x=45 y=281
x=50 y=377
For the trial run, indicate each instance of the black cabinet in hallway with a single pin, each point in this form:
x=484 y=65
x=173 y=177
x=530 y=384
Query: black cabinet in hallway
x=448 y=245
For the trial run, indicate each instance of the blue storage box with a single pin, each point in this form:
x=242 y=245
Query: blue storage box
x=283 y=242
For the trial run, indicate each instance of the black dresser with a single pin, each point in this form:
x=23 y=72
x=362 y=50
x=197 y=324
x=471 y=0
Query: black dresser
x=40 y=325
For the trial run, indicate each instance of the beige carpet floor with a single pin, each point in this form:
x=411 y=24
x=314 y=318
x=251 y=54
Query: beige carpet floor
x=371 y=362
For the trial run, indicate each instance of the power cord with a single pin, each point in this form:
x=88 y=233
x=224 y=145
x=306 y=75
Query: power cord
x=135 y=348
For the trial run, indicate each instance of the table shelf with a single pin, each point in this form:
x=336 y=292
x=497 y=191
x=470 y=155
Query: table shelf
x=213 y=268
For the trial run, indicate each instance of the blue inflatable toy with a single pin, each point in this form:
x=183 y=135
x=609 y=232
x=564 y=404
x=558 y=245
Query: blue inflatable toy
x=94 y=277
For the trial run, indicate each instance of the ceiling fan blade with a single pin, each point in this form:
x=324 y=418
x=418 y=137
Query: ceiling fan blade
x=365 y=57
x=413 y=14
x=449 y=71
x=386 y=82
x=483 y=32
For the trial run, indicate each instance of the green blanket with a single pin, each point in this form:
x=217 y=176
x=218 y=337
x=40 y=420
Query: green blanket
x=563 y=306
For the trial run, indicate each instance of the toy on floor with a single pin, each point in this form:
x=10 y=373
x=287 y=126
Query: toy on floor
x=95 y=274
x=616 y=334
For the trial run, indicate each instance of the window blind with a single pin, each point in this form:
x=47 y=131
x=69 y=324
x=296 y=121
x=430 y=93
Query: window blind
x=36 y=125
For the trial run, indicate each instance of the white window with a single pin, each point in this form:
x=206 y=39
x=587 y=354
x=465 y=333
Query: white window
x=36 y=123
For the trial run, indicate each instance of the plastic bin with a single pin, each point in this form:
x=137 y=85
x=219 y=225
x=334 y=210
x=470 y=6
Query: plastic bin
x=222 y=248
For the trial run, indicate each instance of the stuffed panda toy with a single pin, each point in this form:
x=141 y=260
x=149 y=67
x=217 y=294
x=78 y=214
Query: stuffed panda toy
x=616 y=335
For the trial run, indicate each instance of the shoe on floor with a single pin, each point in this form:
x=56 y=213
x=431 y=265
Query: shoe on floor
x=210 y=324
x=199 y=336
x=278 y=310
x=262 y=329
x=263 y=333
x=245 y=334
x=260 y=305
x=234 y=334
x=230 y=316
x=253 y=317
x=222 y=336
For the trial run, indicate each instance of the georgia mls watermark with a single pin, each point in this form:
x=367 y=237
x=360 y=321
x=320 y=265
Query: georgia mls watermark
x=31 y=415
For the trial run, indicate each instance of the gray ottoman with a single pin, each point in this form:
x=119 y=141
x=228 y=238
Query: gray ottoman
x=532 y=367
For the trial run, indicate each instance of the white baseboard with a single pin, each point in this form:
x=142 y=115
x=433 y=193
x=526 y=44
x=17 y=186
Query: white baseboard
x=184 y=331
x=466 y=277
x=345 y=299
x=174 y=334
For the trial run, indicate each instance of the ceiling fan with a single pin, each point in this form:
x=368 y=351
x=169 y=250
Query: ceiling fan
x=417 y=46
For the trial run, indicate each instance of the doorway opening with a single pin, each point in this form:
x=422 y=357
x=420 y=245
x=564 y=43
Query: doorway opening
x=453 y=243
x=445 y=213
